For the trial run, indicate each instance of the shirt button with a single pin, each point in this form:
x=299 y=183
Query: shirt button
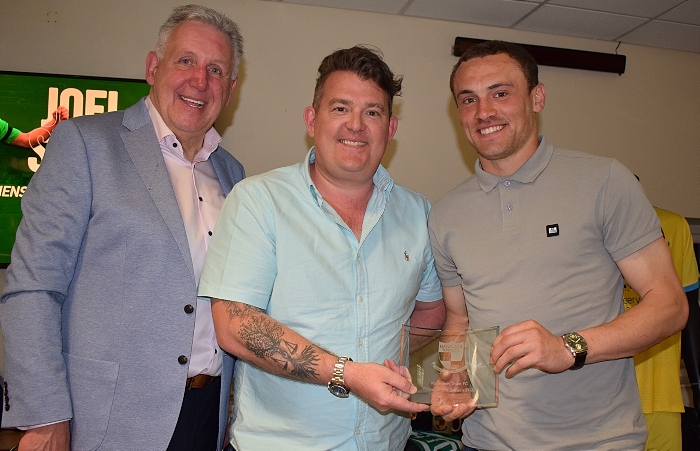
x=182 y=360
x=358 y=432
x=360 y=343
x=174 y=144
x=357 y=256
x=506 y=182
x=209 y=232
x=360 y=298
x=189 y=309
x=200 y=198
x=509 y=207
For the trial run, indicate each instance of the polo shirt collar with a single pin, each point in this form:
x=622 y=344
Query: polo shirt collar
x=527 y=173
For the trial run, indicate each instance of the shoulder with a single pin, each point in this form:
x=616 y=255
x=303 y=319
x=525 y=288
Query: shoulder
x=578 y=159
x=112 y=119
x=408 y=200
x=225 y=157
x=457 y=195
x=281 y=179
x=588 y=170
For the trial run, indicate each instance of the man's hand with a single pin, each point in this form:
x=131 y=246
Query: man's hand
x=60 y=114
x=54 y=437
x=529 y=345
x=402 y=371
x=383 y=387
x=451 y=397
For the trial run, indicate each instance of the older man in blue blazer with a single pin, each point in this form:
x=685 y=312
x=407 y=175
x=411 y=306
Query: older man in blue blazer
x=107 y=345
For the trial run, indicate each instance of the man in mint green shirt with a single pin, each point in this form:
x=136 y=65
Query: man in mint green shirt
x=312 y=270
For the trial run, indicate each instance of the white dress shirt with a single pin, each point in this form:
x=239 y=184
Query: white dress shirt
x=199 y=196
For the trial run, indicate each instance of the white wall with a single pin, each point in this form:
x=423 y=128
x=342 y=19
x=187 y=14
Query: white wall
x=647 y=118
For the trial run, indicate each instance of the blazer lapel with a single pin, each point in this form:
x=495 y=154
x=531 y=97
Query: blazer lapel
x=142 y=145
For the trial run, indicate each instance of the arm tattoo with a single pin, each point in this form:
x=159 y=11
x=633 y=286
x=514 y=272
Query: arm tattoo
x=264 y=338
x=239 y=309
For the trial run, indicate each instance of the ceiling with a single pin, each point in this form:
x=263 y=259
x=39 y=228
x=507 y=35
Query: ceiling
x=669 y=24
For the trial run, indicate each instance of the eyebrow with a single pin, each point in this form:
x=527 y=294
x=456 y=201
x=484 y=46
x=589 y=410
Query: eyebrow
x=488 y=88
x=350 y=102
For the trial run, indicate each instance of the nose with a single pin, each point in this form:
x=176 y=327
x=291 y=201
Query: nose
x=355 y=121
x=485 y=109
x=198 y=78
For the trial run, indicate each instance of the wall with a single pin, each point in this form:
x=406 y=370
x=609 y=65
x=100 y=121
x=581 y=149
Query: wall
x=646 y=118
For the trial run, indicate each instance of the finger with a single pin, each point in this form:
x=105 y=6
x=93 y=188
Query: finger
x=401 y=383
x=405 y=405
x=406 y=373
x=441 y=409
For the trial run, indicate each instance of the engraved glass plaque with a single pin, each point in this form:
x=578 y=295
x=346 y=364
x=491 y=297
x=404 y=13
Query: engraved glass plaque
x=450 y=366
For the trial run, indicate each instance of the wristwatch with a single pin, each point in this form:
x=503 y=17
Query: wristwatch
x=578 y=347
x=337 y=384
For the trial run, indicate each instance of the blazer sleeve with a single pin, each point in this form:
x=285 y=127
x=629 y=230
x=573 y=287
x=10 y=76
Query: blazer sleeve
x=56 y=212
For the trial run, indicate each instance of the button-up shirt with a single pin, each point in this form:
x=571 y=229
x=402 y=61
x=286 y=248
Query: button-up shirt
x=200 y=197
x=280 y=247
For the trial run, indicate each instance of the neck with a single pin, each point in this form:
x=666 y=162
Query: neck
x=349 y=200
x=507 y=166
x=190 y=146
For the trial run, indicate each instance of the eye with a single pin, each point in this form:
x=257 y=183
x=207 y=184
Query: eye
x=340 y=108
x=216 y=71
x=468 y=100
x=373 y=113
x=501 y=94
x=186 y=61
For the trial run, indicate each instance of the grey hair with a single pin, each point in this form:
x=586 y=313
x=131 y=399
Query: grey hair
x=207 y=16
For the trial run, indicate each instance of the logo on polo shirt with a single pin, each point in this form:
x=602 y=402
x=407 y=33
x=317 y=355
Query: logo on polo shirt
x=552 y=230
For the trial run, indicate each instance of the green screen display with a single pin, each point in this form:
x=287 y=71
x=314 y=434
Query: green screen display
x=27 y=100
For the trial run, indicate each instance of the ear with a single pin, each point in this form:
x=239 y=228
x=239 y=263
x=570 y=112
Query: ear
x=310 y=120
x=234 y=82
x=393 y=126
x=151 y=65
x=538 y=98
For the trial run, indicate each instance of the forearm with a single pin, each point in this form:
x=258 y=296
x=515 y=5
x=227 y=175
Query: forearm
x=428 y=315
x=456 y=317
x=251 y=335
x=654 y=319
x=661 y=312
x=35 y=369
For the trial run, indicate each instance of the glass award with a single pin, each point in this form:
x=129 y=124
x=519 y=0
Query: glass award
x=450 y=366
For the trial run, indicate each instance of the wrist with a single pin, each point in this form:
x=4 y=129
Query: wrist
x=578 y=348
x=337 y=385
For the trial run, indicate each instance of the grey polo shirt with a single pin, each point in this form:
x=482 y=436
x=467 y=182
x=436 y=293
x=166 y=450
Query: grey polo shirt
x=542 y=244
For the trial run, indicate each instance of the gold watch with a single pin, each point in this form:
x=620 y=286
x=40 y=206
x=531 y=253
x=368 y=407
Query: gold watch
x=578 y=347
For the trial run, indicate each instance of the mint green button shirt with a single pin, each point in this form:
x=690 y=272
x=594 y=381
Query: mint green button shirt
x=278 y=246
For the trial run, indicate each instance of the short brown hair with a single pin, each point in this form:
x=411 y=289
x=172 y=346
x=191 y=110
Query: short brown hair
x=364 y=62
x=521 y=56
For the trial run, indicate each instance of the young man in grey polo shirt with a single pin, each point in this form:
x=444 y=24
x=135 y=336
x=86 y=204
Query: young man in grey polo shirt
x=537 y=242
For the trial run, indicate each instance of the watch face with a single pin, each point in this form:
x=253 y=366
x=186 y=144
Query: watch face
x=576 y=342
x=338 y=390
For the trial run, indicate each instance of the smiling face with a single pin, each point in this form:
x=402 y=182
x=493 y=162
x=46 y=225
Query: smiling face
x=191 y=83
x=498 y=112
x=351 y=129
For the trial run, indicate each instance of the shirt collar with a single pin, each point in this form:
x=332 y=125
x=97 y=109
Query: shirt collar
x=167 y=137
x=381 y=179
x=527 y=173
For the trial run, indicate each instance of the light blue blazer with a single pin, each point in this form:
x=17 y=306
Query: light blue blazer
x=93 y=313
